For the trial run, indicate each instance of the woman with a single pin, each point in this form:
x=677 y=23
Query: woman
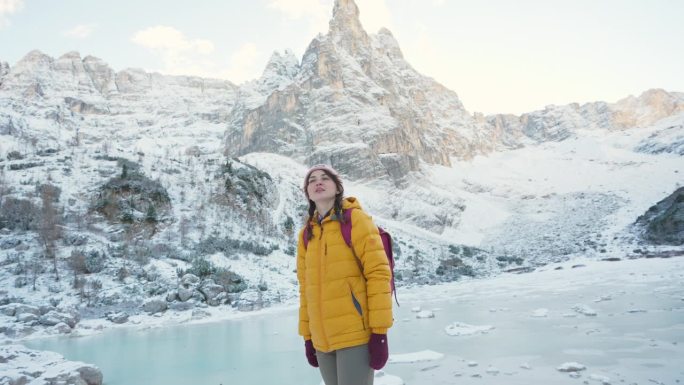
x=345 y=298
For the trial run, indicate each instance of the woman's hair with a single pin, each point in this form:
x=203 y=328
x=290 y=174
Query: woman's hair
x=339 y=196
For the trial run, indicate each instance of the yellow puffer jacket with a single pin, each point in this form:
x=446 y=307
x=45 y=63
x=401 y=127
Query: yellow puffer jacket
x=340 y=305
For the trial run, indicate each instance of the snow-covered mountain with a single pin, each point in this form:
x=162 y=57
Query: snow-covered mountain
x=129 y=191
x=355 y=102
x=560 y=122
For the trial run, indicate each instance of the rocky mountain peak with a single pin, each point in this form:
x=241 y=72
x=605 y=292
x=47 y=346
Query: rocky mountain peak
x=345 y=27
x=34 y=60
x=659 y=98
x=283 y=64
x=649 y=107
x=70 y=62
x=389 y=43
x=345 y=12
x=357 y=104
x=71 y=55
x=101 y=74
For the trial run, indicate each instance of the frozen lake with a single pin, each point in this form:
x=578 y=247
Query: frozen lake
x=539 y=321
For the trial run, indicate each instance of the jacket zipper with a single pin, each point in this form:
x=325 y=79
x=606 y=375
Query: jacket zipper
x=320 y=287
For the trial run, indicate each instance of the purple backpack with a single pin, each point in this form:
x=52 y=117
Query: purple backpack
x=346 y=228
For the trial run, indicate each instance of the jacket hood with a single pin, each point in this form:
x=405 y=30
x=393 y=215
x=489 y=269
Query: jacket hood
x=351 y=203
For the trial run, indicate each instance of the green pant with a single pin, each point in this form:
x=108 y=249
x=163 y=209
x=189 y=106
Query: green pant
x=347 y=366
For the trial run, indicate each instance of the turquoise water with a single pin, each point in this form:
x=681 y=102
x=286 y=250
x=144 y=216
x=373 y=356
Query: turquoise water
x=255 y=350
x=265 y=349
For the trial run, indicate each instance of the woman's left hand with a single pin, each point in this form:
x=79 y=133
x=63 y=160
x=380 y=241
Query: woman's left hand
x=379 y=351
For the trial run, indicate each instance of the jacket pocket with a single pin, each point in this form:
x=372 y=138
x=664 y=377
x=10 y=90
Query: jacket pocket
x=357 y=305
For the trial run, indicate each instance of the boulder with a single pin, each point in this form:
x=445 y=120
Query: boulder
x=185 y=294
x=190 y=280
x=171 y=296
x=22 y=308
x=221 y=298
x=50 y=319
x=117 y=317
x=26 y=317
x=53 y=317
x=62 y=328
x=90 y=374
x=44 y=309
x=9 y=309
x=153 y=306
x=211 y=291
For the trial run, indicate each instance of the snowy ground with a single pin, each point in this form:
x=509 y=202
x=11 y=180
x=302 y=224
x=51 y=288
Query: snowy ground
x=585 y=320
x=600 y=322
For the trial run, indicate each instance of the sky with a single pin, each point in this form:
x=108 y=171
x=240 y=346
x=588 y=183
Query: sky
x=499 y=56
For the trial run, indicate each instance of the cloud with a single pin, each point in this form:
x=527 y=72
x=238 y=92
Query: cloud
x=245 y=64
x=315 y=12
x=374 y=14
x=181 y=55
x=81 y=31
x=171 y=41
x=9 y=7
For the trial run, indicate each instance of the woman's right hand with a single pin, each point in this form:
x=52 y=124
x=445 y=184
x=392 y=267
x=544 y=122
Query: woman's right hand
x=310 y=353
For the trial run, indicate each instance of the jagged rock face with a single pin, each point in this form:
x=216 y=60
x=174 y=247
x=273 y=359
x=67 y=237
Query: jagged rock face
x=101 y=74
x=663 y=223
x=357 y=104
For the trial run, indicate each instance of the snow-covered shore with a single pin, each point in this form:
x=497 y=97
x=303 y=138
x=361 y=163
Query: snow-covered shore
x=19 y=365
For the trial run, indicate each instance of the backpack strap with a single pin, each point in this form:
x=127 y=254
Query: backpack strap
x=346 y=227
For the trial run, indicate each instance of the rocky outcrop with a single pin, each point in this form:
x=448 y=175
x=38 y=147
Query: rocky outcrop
x=20 y=365
x=663 y=223
x=214 y=294
x=62 y=319
x=154 y=305
x=201 y=291
x=117 y=317
x=669 y=139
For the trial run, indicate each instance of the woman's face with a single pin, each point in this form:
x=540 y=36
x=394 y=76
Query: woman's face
x=321 y=187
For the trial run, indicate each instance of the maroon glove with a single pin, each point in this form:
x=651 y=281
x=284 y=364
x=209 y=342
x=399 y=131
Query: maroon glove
x=379 y=352
x=310 y=353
